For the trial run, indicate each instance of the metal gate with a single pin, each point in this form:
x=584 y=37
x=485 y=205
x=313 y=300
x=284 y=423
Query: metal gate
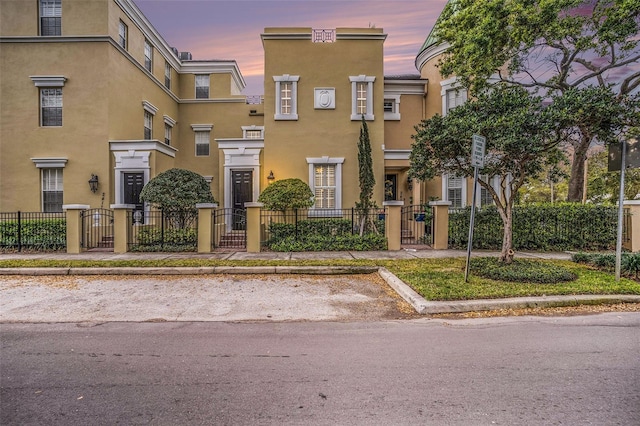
x=417 y=225
x=229 y=228
x=97 y=229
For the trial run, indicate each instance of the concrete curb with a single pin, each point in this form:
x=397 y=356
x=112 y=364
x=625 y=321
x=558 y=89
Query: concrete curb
x=420 y=304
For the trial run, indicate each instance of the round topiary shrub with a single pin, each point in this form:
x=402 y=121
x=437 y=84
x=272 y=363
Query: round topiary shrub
x=285 y=194
x=520 y=270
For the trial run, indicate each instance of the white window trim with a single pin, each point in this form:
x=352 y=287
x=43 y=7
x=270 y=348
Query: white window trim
x=354 y=97
x=195 y=85
x=149 y=107
x=445 y=190
x=337 y=161
x=395 y=114
x=50 y=162
x=125 y=35
x=48 y=80
x=147 y=43
x=446 y=87
x=293 y=79
x=201 y=128
x=245 y=129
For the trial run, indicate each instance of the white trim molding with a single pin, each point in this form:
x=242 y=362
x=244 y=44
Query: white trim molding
x=354 y=96
x=286 y=78
x=50 y=162
x=149 y=107
x=337 y=161
x=202 y=127
x=169 y=121
x=48 y=80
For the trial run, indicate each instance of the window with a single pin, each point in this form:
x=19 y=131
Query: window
x=362 y=97
x=167 y=75
x=202 y=143
x=253 y=132
x=454 y=191
x=148 y=125
x=51 y=107
x=51 y=190
x=202 y=86
x=392 y=107
x=452 y=95
x=286 y=97
x=168 y=129
x=122 y=35
x=325 y=177
x=485 y=196
x=148 y=56
x=50 y=18
x=202 y=138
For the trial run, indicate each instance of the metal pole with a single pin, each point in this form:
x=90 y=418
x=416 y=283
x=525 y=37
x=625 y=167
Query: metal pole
x=620 y=210
x=471 y=222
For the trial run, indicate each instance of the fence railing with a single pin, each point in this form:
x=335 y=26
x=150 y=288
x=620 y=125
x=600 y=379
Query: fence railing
x=562 y=227
x=160 y=231
x=37 y=231
x=417 y=225
x=314 y=229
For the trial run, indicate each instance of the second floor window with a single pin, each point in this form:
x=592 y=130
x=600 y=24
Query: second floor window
x=167 y=75
x=122 y=35
x=148 y=56
x=51 y=107
x=202 y=86
x=148 y=125
x=362 y=97
x=50 y=17
x=286 y=97
x=167 y=134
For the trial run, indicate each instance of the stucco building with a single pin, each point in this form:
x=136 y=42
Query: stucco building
x=91 y=90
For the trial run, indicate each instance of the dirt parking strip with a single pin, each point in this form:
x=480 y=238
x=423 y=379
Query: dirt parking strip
x=199 y=298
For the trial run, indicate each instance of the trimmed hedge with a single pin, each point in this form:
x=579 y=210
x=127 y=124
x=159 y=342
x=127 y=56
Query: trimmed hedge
x=39 y=234
x=521 y=271
x=543 y=227
x=173 y=239
x=323 y=235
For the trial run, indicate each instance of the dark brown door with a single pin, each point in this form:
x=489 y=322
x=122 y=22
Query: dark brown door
x=242 y=193
x=133 y=183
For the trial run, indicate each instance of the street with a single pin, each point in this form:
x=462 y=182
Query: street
x=512 y=371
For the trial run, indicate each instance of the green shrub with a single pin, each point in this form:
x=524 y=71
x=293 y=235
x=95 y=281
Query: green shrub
x=172 y=239
x=41 y=234
x=285 y=194
x=544 y=227
x=520 y=270
x=629 y=262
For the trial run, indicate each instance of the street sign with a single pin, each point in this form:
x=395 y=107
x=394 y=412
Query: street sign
x=632 y=156
x=477 y=151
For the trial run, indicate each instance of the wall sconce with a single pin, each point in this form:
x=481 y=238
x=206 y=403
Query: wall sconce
x=93 y=183
x=271 y=177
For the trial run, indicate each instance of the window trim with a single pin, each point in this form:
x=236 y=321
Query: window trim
x=286 y=78
x=208 y=86
x=252 y=128
x=148 y=60
x=369 y=80
x=167 y=75
x=168 y=129
x=58 y=121
x=57 y=15
x=445 y=190
x=123 y=36
x=337 y=161
x=394 y=114
x=60 y=191
x=448 y=86
x=201 y=128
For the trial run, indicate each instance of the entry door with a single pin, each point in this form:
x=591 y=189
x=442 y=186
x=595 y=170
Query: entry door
x=133 y=183
x=242 y=193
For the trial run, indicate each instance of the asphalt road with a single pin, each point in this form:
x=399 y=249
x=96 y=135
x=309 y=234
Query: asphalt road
x=510 y=371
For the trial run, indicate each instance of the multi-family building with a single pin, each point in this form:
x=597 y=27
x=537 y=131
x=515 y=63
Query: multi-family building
x=90 y=91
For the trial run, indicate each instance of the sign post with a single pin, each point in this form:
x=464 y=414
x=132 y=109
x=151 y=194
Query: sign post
x=620 y=210
x=477 y=161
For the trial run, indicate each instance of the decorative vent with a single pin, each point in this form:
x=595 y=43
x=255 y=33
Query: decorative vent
x=324 y=36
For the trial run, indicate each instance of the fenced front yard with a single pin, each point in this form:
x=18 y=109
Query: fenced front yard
x=323 y=230
x=33 y=231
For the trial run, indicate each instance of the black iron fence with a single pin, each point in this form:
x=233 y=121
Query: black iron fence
x=161 y=231
x=417 y=225
x=97 y=229
x=38 y=231
x=229 y=229
x=540 y=227
x=316 y=230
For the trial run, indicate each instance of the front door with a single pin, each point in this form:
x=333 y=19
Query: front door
x=133 y=183
x=242 y=193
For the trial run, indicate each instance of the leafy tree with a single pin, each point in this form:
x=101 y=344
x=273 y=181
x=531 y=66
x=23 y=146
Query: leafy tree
x=519 y=145
x=176 y=193
x=286 y=194
x=366 y=178
x=555 y=46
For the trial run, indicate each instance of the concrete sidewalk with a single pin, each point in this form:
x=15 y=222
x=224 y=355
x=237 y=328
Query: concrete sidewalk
x=421 y=305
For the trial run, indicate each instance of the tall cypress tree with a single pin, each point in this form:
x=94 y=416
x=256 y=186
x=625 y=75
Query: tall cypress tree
x=366 y=177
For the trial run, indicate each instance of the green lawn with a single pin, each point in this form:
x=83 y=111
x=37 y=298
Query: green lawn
x=434 y=279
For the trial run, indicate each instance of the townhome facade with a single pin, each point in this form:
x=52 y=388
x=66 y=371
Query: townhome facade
x=91 y=91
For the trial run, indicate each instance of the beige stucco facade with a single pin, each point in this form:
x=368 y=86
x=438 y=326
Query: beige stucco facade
x=107 y=89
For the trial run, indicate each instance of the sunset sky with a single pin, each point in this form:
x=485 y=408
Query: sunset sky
x=223 y=29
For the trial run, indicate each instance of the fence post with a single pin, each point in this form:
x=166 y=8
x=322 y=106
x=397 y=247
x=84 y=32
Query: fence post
x=633 y=232
x=253 y=227
x=121 y=226
x=205 y=213
x=74 y=226
x=393 y=224
x=440 y=224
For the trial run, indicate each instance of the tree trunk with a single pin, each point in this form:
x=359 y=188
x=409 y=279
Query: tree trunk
x=576 y=180
x=506 y=255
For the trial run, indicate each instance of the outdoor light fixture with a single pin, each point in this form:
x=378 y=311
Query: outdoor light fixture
x=93 y=183
x=271 y=177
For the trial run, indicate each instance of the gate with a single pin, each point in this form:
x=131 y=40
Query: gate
x=97 y=229
x=229 y=228
x=417 y=225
